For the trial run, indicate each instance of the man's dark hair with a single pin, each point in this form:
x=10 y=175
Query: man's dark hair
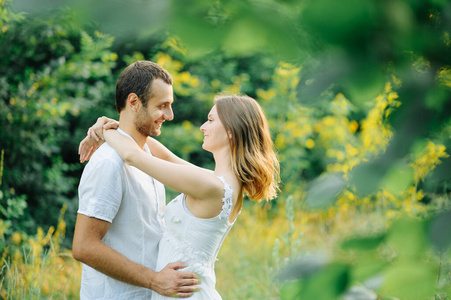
x=137 y=78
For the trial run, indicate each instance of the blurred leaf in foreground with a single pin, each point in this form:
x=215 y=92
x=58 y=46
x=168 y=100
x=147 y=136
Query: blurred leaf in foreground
x=323 y=191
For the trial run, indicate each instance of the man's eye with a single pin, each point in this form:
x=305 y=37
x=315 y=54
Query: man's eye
x=162 y=106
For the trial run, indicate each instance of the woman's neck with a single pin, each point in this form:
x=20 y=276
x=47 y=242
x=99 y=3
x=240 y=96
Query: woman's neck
x=223 y=162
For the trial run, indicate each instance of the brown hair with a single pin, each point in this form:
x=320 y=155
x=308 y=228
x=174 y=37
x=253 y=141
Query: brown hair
x=137 y=78
x=253 y=159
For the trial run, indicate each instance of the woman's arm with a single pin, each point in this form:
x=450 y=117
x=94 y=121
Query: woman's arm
x=94 y=139
x=159 y=150
x=185 y=178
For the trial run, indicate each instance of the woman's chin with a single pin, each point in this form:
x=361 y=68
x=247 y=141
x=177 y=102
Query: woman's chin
x=205 y=148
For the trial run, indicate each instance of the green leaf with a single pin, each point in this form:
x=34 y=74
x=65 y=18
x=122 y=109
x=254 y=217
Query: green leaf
x=328 y=283
x=338 y=23
x=304 y=267
x=291 y=290
x=367 y=268
x=364 y=243
x=244 y=38
x=413 y=279
x=407 y=237
x=398 y=177
x=440 y=229
x=366 y=177
x=323 y=191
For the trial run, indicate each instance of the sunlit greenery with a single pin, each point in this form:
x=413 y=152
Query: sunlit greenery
x=358 y=97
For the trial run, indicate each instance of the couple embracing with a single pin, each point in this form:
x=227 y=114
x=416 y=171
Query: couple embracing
x=131 y=244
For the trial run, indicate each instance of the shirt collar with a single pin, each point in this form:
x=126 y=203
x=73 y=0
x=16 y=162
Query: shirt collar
x=146 y=148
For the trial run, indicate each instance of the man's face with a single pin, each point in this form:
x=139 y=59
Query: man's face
x=149 y=119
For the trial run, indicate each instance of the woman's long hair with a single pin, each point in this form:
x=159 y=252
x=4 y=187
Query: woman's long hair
x=253 y=159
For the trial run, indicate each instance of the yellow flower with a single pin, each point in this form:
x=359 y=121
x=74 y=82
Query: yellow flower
x=266 y=95
x=280 y=141
x=194 y=81
x=216 y=83
x=396 y=80
x=388 y=88
x=390 y=213
x=340 y=156
x=444 y=76
x=351 y=150
x=353 y=126
x=392 y=96
x=176 y=44
x=184 y=76
x=428 y=159
x=163 y=59
x=16 y=238
x=310 y=143
x=187 y=125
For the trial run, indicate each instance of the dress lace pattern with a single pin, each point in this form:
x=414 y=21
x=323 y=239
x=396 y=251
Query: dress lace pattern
x=226 y=200
x=198 y=261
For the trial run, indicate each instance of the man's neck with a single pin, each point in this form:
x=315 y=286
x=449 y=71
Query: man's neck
x=129 y=128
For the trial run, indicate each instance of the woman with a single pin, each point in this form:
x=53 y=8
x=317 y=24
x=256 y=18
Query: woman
x=198 y=220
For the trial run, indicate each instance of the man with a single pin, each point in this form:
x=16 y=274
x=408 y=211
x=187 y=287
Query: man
x=120 y=216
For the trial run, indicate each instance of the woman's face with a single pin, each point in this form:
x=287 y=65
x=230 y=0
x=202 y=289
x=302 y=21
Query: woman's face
x=215 y=135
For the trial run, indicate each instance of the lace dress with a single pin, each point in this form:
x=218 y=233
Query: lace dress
x=194 y=241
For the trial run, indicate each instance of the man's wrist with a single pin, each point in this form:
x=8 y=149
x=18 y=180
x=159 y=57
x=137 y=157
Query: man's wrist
x=151 y=279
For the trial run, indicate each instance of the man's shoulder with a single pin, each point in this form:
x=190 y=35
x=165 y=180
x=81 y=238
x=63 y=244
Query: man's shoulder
x=106 y=154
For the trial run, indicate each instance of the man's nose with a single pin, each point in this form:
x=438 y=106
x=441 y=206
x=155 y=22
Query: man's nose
x=169 y=114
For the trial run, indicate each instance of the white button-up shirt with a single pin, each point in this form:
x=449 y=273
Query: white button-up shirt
x=133 y=202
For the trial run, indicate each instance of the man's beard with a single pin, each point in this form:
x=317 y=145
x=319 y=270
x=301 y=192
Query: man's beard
x=143 y=125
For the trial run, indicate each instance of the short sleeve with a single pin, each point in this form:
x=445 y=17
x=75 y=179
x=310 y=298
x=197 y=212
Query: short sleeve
x=100 y=190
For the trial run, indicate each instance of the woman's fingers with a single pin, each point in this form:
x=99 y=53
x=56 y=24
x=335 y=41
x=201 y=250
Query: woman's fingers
x=82 y=145
x=87 y=147
x=112 y=124
x=95 y=134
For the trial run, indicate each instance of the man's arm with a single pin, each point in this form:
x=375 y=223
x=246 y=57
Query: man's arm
x=89 y=249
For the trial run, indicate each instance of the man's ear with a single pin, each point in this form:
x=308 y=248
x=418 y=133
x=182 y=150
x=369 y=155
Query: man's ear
x=133 y=102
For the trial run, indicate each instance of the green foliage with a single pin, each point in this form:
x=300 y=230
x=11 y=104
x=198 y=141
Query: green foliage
x=399 y=262
x=7 y=15
x=55 y=79
x=357 y=95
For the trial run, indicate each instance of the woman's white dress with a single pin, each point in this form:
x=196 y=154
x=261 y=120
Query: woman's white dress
x=194 y=241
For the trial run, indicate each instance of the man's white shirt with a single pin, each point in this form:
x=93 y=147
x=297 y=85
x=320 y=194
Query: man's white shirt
x=133 y=202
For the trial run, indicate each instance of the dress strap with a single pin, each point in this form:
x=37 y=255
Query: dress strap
x=226 y=200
